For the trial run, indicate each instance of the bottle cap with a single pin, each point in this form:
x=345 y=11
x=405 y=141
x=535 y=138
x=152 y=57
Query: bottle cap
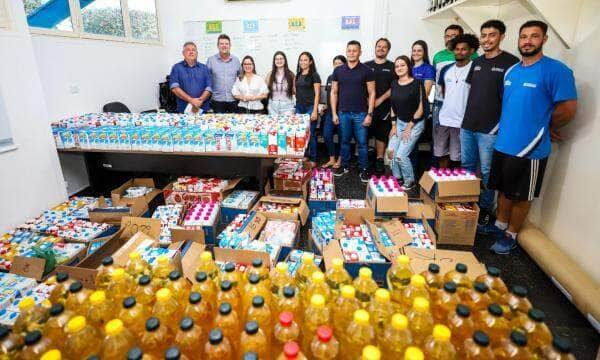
x=518 y=337
x=317 y=277
x=254 y=279
x=480 y=287
x=135 y=353
x=493 y=271
x=481 y=338
x=134 y=255
x=251 y=327
x=162 y=260
x=382 y=295
x=226 y=285
x=365 y=272
x=97 y=297
x=421 y=304
x=250 y=355
x=195 y=297
x=371 y=352
x=461 y=268
x=317 y=301
x=107 y=261
x=113 y=327
x=201 y=276
x=307 y=258
x=225 y=308
x=536 y=315
x=561 y=344
x=399 y=322
x=129 y=302
x=144 y=280
x=118 y=274
x=33 y=337
x=163 y=294
x=519 y=290
x=257 y=263
x=463 y=310
x=174 y=275
x=337 y=263
x=361 y=317
x=26 y=304
x=403 y=259
x=348 y=291
x=76 y=324
x=495 y=310
x=441 y=333
x=229 y=267
x=53 y=354
x=434 y=268
x=258 y=301
x=62 y=277
x=286 y=318
x=206 y=256
x=417 y=281
x=291 y=349
x=413 y=353
x=76 y=287
x=57 y=309
x=152 y=324
x=172 y=353
x=450 y=287
x=215 y=336
x=186 y=323
x=289 y=292
x=324 y=333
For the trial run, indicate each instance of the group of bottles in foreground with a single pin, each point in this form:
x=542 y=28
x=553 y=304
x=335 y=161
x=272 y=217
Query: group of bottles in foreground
x=139 y=312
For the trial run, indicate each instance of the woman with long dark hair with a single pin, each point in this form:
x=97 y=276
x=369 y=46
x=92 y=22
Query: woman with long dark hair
x=407 y=97
x=422 y=68
x=308 y=92
x=249 y=88
x=280 y=81
x=329 y=128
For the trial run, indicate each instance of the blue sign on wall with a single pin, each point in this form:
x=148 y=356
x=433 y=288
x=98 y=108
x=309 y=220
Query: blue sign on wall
x=250 y=26
x=350 y=22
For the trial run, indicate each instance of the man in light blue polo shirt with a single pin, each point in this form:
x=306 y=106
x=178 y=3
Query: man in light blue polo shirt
x=539 y=98
x=190 y=81
x=224 y=68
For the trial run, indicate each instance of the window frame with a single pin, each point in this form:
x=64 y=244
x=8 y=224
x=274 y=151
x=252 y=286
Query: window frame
x=6 y=23
x=79 y=33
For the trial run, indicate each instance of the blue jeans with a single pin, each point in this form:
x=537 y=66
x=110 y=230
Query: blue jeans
x=311 y=151
x=351 y=124
x=402 y=167
x=477 y=148
x=329 y=129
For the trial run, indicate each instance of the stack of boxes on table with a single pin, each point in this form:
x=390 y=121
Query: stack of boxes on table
x=161 y=132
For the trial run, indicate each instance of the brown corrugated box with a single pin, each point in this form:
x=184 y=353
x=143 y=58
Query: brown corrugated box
x=117 y=194
x=302 y=214
x=448 y=191
x=456 y=227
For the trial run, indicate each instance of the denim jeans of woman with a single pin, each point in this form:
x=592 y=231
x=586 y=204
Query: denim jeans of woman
x=401 y=165
x=329 y=129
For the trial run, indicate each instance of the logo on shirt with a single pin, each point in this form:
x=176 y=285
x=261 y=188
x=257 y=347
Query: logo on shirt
x=497 y=69
x=530 y=85
x=477 y=68
x=388 y=70
x=507 y=83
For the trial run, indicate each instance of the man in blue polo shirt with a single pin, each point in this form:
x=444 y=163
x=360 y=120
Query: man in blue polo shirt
x=353 y=85
x=190 y=81
x=539 y=98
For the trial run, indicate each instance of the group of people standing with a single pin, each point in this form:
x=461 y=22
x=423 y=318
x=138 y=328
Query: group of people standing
x=494 y=114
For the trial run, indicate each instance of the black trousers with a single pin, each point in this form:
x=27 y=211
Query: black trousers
x=222 y=107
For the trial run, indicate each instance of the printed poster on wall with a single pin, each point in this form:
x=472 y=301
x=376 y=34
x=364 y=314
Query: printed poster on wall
x=250 y=26
x=350 y=22
x=297 y=24
x=214 y=27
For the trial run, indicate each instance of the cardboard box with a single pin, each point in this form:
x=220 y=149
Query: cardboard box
x=388 y=205
x=302 y=193
x=240 y=256
x=456 y=227
x=291 y=184
x=285 y=250
x=33 y=267
x=449 y=191
x=301 y=215
x=182 y=197
x=117 y=194
x=210 y=232
x=421 y=253
x=228 y=214
x=417 y=209
x=134 y=208
x=447 y=260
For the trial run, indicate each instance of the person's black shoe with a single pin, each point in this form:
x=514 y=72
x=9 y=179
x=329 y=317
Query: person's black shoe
x=379 y=166
x=364 y=176
x=340 y=171
x=411 y=190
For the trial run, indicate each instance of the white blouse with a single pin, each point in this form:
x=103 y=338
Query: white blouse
x=255 y=87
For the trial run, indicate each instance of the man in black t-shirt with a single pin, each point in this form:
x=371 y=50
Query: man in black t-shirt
x=384 y=75
x=482 y=115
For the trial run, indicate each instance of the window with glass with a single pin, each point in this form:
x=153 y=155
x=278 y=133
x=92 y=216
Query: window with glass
x=4 y=19
x=49 y=14
x=102 y=17
x=5 y=134
x=143 y=19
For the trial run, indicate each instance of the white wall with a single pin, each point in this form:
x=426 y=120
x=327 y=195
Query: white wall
x=30 y=177
x=81 y=75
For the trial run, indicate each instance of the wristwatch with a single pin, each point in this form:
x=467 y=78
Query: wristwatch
x=370 y=114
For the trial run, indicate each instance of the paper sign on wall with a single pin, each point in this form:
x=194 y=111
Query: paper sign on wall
x=250 y=26
x=350 y=22
x=214 y=27
x=297 y=24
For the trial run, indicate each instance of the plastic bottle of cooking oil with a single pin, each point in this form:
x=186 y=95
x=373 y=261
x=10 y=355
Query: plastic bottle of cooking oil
x=445 y=301
x=290 y=301
x=459 y=277
x=291 y=351
x=118 y=340
x=77 y=298
x=206 y=288
x=35 y=346
x=61 y=289
x=145 y=291
x=229 y=294
x=413 y=353
x=280 y=278
x=217 y=347
x=396 y=337
x=324 y=345
x=208 y=266
x=477 y=298
x=420 y=320
x=83 y=340
x=344 y=309
x=371 y=352
x=121 y=285
x=156 y=338
x=433 y=278
x=515 y=302
x=54 y=327
x=316 y=286
x=359 y=334
x=493 y=324
x=179 y=286
x=134 y=316
x=100 y=311
x=398 y=277
x=532 y=324
x=229 y=323
x=285 y=330
x=136 y=266
x=438 y=345
x=559 y=350
x=462 y=325
x=31 y=318
x=261 y=313
x=190 y=338
x=477 y=347
x=261 y=270
x=365 y=286
x=167 y=309
x=316 y=314
x=253 y=288
x=336 y=276
x=513 y=347
x=381 y=310
x=233 y=276
x=305 y=271
x=494 y=283
x=104 y=273
x=416 y=288
x=200 y=311
x=254 y=339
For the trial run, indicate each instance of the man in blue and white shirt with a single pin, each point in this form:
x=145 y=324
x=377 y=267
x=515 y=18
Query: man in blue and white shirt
x=224 y=69
x=539 y=98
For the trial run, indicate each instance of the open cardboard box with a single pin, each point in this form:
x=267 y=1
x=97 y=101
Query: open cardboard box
x=117 y=195
x=33 y=267
x=285 y=250
x=456 y=227
x=447 y=260
x=134 y=208
x=228 y=214
x=241 y=256
x=448 y=191
x=388 y=205
x=416 y=209
x=210 y=232
x=301 y=215
x=302 y=193
x=181 y=197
